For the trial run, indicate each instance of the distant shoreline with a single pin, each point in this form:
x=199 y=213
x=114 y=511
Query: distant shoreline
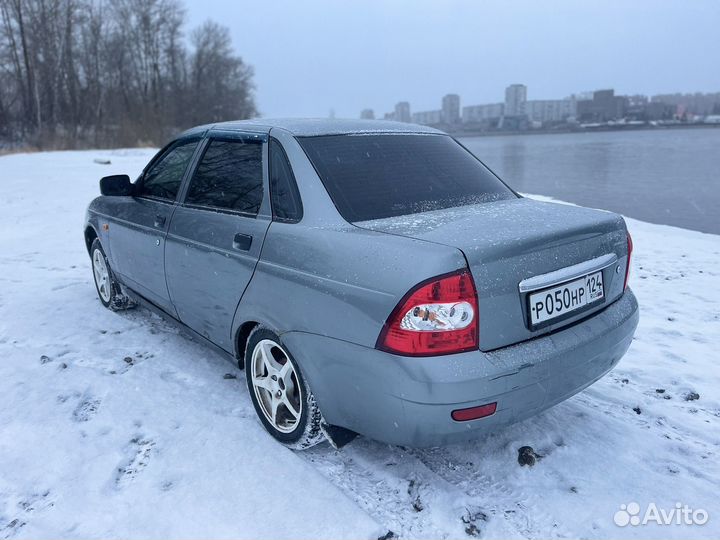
x=578 y=131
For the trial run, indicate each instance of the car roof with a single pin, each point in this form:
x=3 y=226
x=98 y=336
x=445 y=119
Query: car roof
x=313 y=127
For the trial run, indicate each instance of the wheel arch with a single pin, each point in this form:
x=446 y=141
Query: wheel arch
x=242 y=334
x=245 y=329
x=90 y=235
x=251 y=313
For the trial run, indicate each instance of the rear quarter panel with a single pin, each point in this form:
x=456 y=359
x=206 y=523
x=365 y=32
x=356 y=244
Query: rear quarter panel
x=340 y=282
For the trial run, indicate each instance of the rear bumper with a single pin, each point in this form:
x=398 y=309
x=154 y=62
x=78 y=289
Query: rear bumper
x=403 y=400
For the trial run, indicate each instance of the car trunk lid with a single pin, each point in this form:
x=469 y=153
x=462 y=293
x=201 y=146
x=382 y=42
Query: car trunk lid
x=522 y=240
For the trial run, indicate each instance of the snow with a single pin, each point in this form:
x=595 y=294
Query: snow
x=97 y=446
x=117 y=425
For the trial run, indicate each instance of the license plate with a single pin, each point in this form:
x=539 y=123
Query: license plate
x=566 y=298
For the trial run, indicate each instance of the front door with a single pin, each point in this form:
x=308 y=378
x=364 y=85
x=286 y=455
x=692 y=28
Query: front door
x=216 y=235
x=137 y=236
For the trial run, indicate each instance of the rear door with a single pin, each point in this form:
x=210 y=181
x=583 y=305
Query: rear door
x=137 y=236
x=217 y=232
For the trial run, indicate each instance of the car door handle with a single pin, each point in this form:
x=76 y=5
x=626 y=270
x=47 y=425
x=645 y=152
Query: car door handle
x=242 y=242
x=159 y=221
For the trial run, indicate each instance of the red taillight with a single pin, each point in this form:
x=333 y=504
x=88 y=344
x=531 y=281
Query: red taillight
x=473 y=413
x=627 y=268
x=438 y=316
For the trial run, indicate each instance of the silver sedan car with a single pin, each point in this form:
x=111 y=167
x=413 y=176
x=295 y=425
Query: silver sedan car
x=371 y=277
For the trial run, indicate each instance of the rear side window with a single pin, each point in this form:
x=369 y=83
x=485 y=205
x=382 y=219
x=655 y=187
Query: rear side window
x=229 y=176
x=378 y=176
x=163 y=178
x=284 y=194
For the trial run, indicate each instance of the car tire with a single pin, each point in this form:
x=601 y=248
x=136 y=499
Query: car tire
x=277 y=387
x=108 y=289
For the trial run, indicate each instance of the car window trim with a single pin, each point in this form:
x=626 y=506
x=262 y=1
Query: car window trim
x=293 y=181
x=195 y=163
x=518 y=195
x=207 y=208
x=154 y=198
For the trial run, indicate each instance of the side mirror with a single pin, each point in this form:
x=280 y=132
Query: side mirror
x=116 y=185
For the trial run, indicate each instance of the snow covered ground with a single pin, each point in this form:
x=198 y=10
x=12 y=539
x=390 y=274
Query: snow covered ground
x=117 y=425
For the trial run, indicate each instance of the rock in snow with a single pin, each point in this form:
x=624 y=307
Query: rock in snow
x=527 y=456
x=159 y=447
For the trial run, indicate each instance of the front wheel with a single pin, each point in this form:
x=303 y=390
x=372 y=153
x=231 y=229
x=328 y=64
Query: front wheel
x=280 y=395
x=108 y=289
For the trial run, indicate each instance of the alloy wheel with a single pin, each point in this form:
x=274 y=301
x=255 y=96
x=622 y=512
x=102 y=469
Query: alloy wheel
x=276 y=385
x=102 y=275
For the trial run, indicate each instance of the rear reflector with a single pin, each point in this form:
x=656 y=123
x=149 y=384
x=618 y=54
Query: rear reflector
x=473 y=413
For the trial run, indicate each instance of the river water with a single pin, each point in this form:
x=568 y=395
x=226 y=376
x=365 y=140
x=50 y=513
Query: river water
x=665 y=176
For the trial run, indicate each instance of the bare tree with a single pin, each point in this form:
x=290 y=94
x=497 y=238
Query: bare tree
x=101 y=72
x=221 y=82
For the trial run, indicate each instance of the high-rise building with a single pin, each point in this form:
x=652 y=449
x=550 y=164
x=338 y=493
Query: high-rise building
x=550 y=110
x=657 y=110
x=692 y=103
x=451 y=109
x=481 y=113
x=427 y=118
x=515 y=98
x=402 y=111
x=367 y=114
x=603 y=106
x=637 y=100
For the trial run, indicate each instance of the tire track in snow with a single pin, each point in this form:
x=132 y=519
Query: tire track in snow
x=499 y=499
x=407 y=491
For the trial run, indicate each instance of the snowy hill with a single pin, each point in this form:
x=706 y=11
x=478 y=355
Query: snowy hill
x=117 y=425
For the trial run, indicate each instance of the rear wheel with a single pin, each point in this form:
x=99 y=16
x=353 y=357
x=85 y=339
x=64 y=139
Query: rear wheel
x=108 y=289
x=280 y=394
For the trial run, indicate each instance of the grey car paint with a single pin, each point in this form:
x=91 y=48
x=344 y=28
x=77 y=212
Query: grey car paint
x=326 y=287
x=137 y=256
x=205 y=247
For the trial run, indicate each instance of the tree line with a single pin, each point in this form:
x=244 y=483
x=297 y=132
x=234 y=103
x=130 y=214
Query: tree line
x=104 y=73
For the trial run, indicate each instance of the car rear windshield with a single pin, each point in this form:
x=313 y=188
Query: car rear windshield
x=379 y=176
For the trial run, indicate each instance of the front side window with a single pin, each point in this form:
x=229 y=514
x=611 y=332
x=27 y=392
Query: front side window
x=284 y=194
x=162 y=180
x=385 y=175
x=229 y=176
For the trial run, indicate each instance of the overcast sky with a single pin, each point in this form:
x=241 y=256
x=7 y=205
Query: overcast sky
x=313 y=56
